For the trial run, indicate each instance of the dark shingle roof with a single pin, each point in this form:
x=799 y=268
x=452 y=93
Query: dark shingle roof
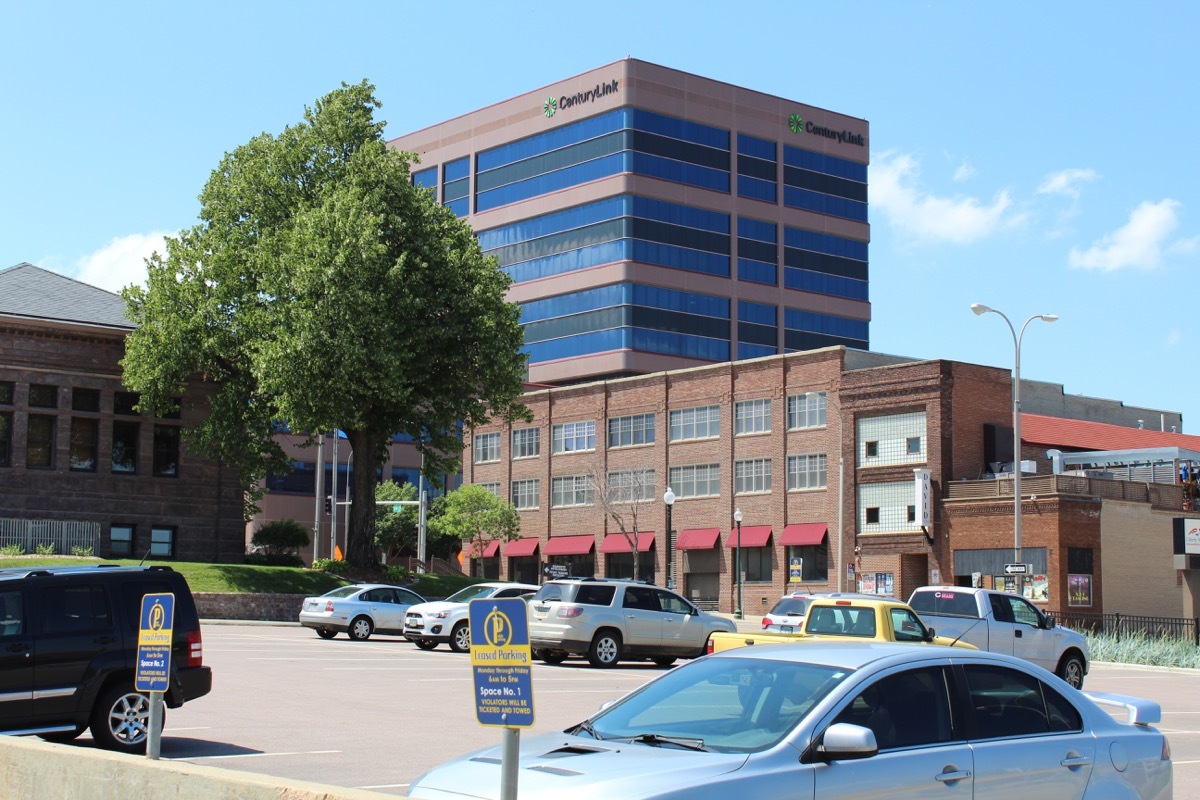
x=35 y=293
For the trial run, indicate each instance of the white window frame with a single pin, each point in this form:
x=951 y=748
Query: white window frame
x=631 y=430
x=526 y=443
x=526 y=493
x=696 y=480
x=574 y=437
x=752 y=476
x=807 y=410
x=487 y=447
x=631 y=486
x=814 y=467
x=572 y=490
x=752 y=416
x=699 y=422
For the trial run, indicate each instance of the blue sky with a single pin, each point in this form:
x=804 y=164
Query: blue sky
x=1035 y=157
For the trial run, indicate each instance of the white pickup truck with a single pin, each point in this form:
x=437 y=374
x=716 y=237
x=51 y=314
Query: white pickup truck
x=1003 y=623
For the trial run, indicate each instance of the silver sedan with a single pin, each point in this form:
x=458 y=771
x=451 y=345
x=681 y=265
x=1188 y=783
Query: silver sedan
x=359 y=610
x=834 y=721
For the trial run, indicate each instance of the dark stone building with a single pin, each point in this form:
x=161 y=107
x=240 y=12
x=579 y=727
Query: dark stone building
x=79 y=466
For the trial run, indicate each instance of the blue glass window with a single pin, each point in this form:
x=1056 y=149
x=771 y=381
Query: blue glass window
x=824 y=243
x=819 y=162
x=426 y=178
x=652 y=144
x=746 y=350
x=820 y=283
x=457 y=169
x=758 y=148
x=756 y=312
x=757 y=189
x=825 y=329
x=824 y=203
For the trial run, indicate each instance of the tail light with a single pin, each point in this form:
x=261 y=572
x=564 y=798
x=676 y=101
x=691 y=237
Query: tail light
x=569 y=612
x=328 y=606
x=195 y=656
x=1166 y=750
x=708 y=646
x=766 y=623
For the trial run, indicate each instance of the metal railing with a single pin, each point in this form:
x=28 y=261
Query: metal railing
x=1158 y=495
x=63 y=536
x=1119 y=625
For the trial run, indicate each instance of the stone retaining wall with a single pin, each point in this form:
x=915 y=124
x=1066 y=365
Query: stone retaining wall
x=273 y=607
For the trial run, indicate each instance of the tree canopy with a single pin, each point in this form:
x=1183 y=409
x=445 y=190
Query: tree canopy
x=477 y=517
x=321 y=289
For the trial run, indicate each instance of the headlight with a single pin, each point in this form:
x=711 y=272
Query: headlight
x=440 y=614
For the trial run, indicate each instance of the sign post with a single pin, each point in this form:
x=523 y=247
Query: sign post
x=502 y=664
x=153 y=672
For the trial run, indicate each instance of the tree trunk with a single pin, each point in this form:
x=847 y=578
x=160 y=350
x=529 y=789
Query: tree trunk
x=360 y=539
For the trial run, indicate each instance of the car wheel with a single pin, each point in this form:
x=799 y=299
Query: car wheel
x=460 y=638
x=663 y=661
x=1071 y=671
x=360 y=629
x=425 y=644
x=606 y=649
x=121 y=720
x=326 y=633
x=551 y=656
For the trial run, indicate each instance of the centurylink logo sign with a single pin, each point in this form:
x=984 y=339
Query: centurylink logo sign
x=566 y=101
x=798 y=124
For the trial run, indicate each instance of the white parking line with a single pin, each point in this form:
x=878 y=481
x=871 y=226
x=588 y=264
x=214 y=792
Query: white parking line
x=260 y=755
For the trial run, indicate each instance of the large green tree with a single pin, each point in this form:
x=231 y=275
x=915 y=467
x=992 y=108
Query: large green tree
x=322 y=289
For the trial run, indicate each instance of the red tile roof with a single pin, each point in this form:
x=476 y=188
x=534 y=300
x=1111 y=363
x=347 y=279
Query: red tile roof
x=1082 y=435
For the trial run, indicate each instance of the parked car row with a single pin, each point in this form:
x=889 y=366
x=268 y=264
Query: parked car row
x=603 y=620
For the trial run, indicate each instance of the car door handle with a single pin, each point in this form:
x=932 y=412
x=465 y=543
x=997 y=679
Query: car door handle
x=17 y=647
x=953 y=775
x=1075 y=761
x=1017 y=634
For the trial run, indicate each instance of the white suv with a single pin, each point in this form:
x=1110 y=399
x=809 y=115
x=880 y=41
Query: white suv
x=607 y=620
x=428 y=624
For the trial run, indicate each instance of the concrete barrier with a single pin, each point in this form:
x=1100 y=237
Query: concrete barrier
x=31 y=769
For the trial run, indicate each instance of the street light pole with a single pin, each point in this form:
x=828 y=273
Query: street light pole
x=737 y=561
x=979 y=310
x=841 y=490
x=669 y=499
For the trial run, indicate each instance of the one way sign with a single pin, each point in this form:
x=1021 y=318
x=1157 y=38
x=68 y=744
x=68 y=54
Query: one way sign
x=1016 y=569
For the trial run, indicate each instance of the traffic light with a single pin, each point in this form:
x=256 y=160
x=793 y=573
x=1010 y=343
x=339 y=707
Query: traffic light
x=328 y=504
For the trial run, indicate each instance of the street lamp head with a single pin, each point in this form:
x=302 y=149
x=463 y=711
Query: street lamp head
x=980 y=309
x=1048 y=317
x=737 y=515
x=669 y=497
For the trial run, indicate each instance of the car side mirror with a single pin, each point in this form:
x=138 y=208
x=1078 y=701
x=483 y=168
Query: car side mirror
x=843 y=741
x=930 y=633
x=1048 y=623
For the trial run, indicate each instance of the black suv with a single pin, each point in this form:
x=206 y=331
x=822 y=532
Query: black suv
x=68 y=650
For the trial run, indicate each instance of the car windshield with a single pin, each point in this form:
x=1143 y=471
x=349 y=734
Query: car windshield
x=791 y=607
x=731 y=705
x=470 y=593
x=343 y=591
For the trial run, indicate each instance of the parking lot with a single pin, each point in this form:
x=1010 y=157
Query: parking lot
x=377 y=714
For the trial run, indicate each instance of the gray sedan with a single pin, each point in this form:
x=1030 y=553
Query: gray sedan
x=839 y=720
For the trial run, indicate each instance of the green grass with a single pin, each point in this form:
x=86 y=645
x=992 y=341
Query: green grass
x=246 y=578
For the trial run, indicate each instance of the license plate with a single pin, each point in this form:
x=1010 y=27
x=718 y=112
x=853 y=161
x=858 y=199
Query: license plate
x=786 y=628
x=413 y=621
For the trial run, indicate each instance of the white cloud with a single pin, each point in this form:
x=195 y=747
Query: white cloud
x=121 y=262
x=925 y=216
x=1140 y=242
x=1067 y=181
x=964 y=172
x=1174 y=337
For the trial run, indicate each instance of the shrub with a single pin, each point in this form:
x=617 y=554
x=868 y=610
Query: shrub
x=398 y=574
x=280 y=536
x=331 y=565
x=46 y=549
x=82 y=552
x=12 y=550
x=274 y=559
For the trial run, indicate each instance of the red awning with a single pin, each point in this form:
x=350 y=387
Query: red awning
x=489 y=549
x=519 y=548
x=804 y=534
x=569 y=545
x=619 y=542
x=752 y=536
x=697 y=538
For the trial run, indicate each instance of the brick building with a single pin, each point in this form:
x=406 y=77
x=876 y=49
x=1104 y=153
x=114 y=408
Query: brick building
x=766 y=437
x=79 y=465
